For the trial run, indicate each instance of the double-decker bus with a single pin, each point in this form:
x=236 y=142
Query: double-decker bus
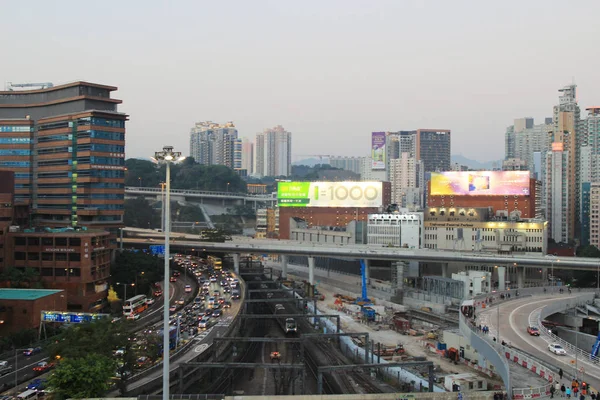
x=215 y=263
x=135 y=305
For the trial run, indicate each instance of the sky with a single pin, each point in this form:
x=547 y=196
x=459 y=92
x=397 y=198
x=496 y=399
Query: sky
x=330 y=71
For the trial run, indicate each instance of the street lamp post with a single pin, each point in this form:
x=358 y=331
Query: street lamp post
x=162 y=208
x=167 y=156
x=227 y=187
x=140 y=180
x=17 y=366
x=125 y=286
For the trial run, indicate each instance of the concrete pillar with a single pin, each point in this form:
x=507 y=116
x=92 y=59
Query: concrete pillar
x=367 y=271
x=284 y=265
x=311 y=271
x=501 y=278
x=520 y=277
x=236 y=263
x=444 y=270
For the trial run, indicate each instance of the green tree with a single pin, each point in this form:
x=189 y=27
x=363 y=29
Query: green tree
x=81 y=378
x=586 y=278
x=138 y=268
x=140 y=214
x=22 y=278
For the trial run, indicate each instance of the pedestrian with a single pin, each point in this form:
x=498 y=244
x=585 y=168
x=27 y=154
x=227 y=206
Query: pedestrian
x=560 y=373
x=557 y=388
x=573 y=384
x=562 y=390
x=568 y=391
x=582 y=397
x=552 y=390
x=593 y=396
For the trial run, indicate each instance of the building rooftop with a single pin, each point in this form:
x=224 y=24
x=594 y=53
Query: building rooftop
x=26 y=294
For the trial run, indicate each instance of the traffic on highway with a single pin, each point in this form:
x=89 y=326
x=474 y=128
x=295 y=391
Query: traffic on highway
x=202 y=294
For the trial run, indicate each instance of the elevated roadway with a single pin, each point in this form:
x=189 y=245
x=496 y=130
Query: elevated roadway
x=514 y=318
x=283 y=247
x=200 y=194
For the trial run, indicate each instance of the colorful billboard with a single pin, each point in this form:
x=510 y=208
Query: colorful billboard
x=480 y=183
x=330 y=194
x=378 y=150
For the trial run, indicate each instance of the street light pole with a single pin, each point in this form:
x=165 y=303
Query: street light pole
x=162 y=208
x=167 y=155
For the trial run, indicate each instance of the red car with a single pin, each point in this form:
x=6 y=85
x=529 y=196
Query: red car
x=172 y=279
x=43 y=367
x=533 y=331
x=158 y=293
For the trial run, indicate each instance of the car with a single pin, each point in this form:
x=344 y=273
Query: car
x=204 y=323
x=216 y=306
x=188 y=288
x=275 y=356
x=279 y=307
x=213 y=279
x=217 y=313
x=208 y=311
x=533 y=331
x=221 y=300
x=31 y=351
x=227 y=304
x=3 y=364
x=172 y=279
x=269 y=295
x=557 y=349
x=196 y=306
x=43 y=366
x=149 y=301
x=120 y=352
x=143 y=361
x=176 y=273
x=235 y=295
x=226 y=290
x=181 y=301
x=133 y=317
x=158 y=293
x=173 y=308
x=36 y=384
x=157 y=285
x=216 y=293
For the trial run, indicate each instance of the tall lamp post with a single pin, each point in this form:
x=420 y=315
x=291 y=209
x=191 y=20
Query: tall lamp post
x=125 y=286
x=162 y=208
x=167 y=156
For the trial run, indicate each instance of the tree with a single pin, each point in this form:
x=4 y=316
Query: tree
x=81 y=378
x=140 y=214
x=586 y=278
x=139 y=268
x=28 y=278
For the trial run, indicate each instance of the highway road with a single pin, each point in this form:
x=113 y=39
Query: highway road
x=514 y=319
x=25 y=364
x=201 y=344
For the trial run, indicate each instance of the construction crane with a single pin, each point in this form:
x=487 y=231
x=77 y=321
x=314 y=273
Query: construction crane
x=45 y=85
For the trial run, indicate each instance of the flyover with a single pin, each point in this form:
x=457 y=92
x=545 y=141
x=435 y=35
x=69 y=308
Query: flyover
x=200 y=194
x=370 y=252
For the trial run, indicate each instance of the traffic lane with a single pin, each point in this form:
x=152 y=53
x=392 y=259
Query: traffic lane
x=176 y=291
x=516 y=320
x=25 y=365
x=203 y=342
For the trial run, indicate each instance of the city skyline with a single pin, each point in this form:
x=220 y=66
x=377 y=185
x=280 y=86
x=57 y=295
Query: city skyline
x=339 y=70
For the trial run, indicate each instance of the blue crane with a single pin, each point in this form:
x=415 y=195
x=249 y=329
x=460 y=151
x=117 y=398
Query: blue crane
x=595 y=348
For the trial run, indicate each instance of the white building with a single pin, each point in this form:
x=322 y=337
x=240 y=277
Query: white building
x=216 y=144
x=399 y=230
x=474 y=229
x=475 y=282
x=353 y=164
x=405 y=173
x=248 y=156
x=273 y=152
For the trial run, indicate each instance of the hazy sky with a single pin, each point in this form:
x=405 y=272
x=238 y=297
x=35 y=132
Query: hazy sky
x=330 y=72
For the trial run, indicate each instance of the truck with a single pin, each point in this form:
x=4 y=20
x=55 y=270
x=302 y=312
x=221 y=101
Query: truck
x=401 y=325
x=389 y=351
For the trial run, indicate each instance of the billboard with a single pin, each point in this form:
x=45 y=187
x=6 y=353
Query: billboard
x=70 y=317
x=378 y=150
x=330 y=194
x=480 y=183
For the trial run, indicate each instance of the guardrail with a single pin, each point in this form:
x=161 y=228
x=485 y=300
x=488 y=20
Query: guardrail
x=204 y=193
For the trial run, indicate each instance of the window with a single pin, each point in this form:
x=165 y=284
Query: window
x=75 y=242
x=60 y=241
x=33 y=256
x=33 y=241
x=47 y=241
x=60 y=257
x=74 y=257
x=46 y=272
x=19 y=255
x=47 y=257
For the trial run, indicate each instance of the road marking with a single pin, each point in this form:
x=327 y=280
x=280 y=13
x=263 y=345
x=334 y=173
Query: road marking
x=201 y=348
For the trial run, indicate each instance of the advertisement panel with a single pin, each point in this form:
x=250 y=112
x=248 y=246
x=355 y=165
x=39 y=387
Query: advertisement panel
x=330 y=194
x=378 y=150
x=480 y=183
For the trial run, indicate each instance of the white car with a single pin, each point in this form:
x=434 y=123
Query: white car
x=556 y=349
x=149 y=301
x=188 y=288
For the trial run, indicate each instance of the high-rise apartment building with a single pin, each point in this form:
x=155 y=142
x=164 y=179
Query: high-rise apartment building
x=558 y=195
x=430 y=146
x=514 y=164
x=568 y=130
x=405 y=173
x=216 y=144
x=594 y=236
x=66 y=146
x=352 y=164
x=273 y=152
x=523 y=139
x=248 y=156
x=592 y=131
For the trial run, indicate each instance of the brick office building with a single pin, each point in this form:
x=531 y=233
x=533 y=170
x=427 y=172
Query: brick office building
x=21 y=308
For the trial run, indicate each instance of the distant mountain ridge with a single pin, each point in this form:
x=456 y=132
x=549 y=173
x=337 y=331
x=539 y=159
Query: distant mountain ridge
x=474 y=164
